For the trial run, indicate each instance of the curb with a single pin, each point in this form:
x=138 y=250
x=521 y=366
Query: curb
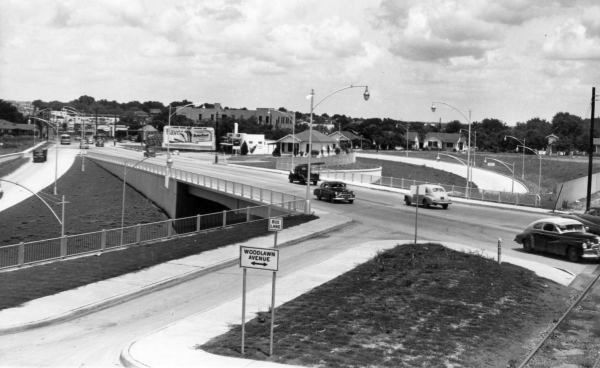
x=118 y=299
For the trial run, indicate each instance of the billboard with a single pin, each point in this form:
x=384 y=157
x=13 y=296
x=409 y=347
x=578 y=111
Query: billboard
x=189 y=138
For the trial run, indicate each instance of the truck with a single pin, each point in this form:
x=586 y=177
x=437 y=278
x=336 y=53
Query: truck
x=299 y=173
x=428 y=195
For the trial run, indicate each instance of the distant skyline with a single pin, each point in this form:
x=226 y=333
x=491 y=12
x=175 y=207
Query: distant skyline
x=513 y=60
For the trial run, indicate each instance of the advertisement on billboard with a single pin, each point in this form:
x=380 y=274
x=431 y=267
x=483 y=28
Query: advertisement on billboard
x=189 y=138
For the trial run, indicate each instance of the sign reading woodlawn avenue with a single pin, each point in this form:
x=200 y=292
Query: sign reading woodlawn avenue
x=259 y=258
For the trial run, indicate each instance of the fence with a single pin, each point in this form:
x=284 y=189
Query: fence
x=69 y=246
x=524 y=199
x=285 y=163
x=256 y=194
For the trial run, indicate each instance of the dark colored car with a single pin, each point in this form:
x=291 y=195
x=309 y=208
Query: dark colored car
x=100 y=143
x=40 y=155
x=590 y=219
x=560 y=236
x=334 y=191
x=301 y=171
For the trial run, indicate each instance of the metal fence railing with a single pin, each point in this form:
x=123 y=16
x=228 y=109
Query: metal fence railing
x=17 y=255
x=523 y=199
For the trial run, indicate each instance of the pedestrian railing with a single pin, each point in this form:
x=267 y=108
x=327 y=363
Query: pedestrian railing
x=524 y=199
x=69 y=246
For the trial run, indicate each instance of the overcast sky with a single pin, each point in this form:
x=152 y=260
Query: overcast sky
x=508 y=59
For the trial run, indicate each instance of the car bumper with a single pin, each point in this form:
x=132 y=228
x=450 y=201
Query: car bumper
x=591 y=254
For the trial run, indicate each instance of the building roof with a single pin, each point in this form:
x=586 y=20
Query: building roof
x=444 y=137
x=317 y=137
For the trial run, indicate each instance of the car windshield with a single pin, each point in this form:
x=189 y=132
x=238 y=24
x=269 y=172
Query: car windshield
x=437 y=189
x=570 y=228
x=338 y=185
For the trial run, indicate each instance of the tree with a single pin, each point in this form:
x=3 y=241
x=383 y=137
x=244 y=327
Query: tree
x=10 y=112
x=453 y=127
x=244 y=149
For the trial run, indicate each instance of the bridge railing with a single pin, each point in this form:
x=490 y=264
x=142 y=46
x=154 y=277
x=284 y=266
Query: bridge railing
x=256 y=194
x=69 y=246
x=524 y=199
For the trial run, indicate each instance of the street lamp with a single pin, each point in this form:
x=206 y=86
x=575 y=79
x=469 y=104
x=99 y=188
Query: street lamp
x=61 y=220
x=55 y=150
x=313 y=106
x=540 y=169
x=167 y=136
x=512 y=170
x=522 y=143
x=82 y=127
x=124 y=186
x=468 y=119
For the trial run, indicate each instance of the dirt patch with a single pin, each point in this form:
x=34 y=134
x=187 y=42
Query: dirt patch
x=412 y=306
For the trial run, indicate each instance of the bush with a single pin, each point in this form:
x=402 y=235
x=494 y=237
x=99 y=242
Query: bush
x=276 y=152
x=244 y=149
x=314 y=153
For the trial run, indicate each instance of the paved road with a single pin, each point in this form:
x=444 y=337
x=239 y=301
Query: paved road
x=97 y=339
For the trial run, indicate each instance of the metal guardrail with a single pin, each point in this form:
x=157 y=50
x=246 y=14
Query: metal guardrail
x=523 y=199
x=69 y=246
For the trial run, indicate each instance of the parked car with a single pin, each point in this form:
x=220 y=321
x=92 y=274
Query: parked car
x=300 y=173
x=560 y=236
x=65 y=139
x=428 y=195
x=100 y=143
x=590 y=219
x=84 y=145
x=40 y=155
x=334 y=191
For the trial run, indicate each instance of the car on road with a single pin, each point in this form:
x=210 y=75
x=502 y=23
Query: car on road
x=428 y=195
x=590 y=219
x=100 y=143
x=560 y=236
x=300 y=173
x=40 y=155
x=334 y=191
x=65 y=139
x=84 y=145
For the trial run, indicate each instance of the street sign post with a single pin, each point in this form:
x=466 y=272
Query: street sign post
x=275 y=224
x=262 y=259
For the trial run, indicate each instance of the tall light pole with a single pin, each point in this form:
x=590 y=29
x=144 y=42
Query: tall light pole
x=512 y=170
x=168 y=139
x=468 y=119
x=591 y=152
x=522 y=144
x=82 y=127
x=55 y=150
x=540 y=169
x=313 y=106
x=124 y=187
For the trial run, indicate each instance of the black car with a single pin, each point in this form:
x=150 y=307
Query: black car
x=334 y=191
x=300 y=173
x=40 y=155
x=560 y=236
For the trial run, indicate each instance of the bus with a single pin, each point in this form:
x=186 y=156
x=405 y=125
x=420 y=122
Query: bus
x=65 y=139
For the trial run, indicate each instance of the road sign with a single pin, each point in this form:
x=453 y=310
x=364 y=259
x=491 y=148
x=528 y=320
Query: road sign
x=259 y=258
x=275 y=224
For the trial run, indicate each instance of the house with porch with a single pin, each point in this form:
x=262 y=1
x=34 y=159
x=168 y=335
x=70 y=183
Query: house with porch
x=444 y=142
x=347 y=139
x=320 y=142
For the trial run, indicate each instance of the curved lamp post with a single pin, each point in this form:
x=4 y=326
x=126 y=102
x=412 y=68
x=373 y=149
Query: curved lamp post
x=55 y=150
x=75 y=111
x=61 y=220
x=313 y=106
x=468 y=119
x=33 y=115
x=512 y=170
x=169 y=159
x=523 y=144
x=124 y=187
x=540 y=169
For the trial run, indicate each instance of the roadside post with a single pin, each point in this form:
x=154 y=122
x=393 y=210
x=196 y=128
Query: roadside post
x=499 y=250
x=275 y=225
x=417 y=211
x=266 y=259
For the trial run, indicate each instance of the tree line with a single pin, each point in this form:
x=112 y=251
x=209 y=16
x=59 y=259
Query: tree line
x=487 y=135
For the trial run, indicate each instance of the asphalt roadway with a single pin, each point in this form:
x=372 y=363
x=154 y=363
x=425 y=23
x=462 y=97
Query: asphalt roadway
x=174 y=345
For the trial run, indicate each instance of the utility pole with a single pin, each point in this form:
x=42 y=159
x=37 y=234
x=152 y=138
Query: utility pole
x=591 y=153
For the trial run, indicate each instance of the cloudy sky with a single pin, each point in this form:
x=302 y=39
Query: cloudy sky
x=508 y=59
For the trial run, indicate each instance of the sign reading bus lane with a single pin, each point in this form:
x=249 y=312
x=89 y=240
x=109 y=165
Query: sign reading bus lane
x=259 y=258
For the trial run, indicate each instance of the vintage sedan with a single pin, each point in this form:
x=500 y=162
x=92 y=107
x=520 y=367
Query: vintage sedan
x=590 y=219
x=334 y=191
x=560 y=236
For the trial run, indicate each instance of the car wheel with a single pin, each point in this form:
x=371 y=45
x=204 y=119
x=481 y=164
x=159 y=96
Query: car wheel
x=351 y=201
x=407 y=201
x=573 y=253
x=445 y=206
x=527 y=245
x=330 y=199
x=425 y=203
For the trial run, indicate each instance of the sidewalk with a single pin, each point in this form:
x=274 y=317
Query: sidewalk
x=174 y=345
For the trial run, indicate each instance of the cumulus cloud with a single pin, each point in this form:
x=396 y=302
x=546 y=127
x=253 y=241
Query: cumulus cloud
x=571 y=40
